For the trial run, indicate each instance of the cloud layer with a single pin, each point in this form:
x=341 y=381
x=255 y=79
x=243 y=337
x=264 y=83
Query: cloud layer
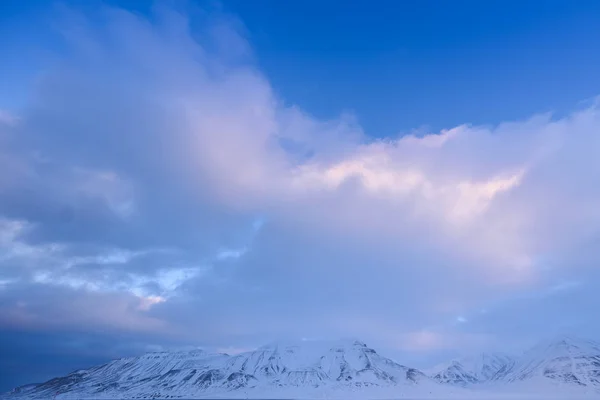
x=156 y=189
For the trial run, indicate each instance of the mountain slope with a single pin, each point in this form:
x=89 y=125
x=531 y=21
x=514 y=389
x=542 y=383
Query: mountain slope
x=455 y=374
x=342 y=369
x=564 y=360
x=347 y=364
x=472 y=370
x=486 y=365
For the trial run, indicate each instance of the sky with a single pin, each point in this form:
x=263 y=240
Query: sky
x=422 y=176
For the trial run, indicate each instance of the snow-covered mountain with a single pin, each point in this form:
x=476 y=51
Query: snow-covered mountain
x=335 y=365
x=342 y=369
x=455 y=374
x=563 y=360
x=472 y=370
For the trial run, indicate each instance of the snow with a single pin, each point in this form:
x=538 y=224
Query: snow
x=472 y=370
x=348 y=369
x=564 y=359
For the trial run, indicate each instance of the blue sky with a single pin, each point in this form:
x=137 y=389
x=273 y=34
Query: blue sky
x=422 y=176
x=470 y=61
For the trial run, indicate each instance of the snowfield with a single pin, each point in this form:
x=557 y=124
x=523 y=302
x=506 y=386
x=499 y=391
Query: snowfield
x=565 y=368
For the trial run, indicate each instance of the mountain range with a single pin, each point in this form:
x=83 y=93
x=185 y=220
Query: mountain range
x=472 y=370
x=326 y=369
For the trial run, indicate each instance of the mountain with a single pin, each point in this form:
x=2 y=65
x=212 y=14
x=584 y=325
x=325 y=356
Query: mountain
x=347 y=365
x=472 y=370
x=565 y=367
x=563 y=360
x=455 y=374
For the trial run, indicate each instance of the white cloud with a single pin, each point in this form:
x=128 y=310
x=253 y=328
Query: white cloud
x=225 y=254
x=12 y=245
x=147 y=302
x=52 y=265
x=107 y=185
x=8 y=118
x=411 y=230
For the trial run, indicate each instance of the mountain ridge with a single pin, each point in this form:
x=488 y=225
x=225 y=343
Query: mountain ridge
x=565 y=358
x=311 y=369
x=342 y=364
x=471 y=370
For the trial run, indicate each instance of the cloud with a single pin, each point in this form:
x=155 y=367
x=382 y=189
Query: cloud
x=158 y=186
x=55 y=309
x=7 y=118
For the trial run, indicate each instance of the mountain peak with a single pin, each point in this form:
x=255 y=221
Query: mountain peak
x=473 y=369
x=347 y=365
x=314 y=344
x=566 y=345
x=341 y=364
x=562 y=359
